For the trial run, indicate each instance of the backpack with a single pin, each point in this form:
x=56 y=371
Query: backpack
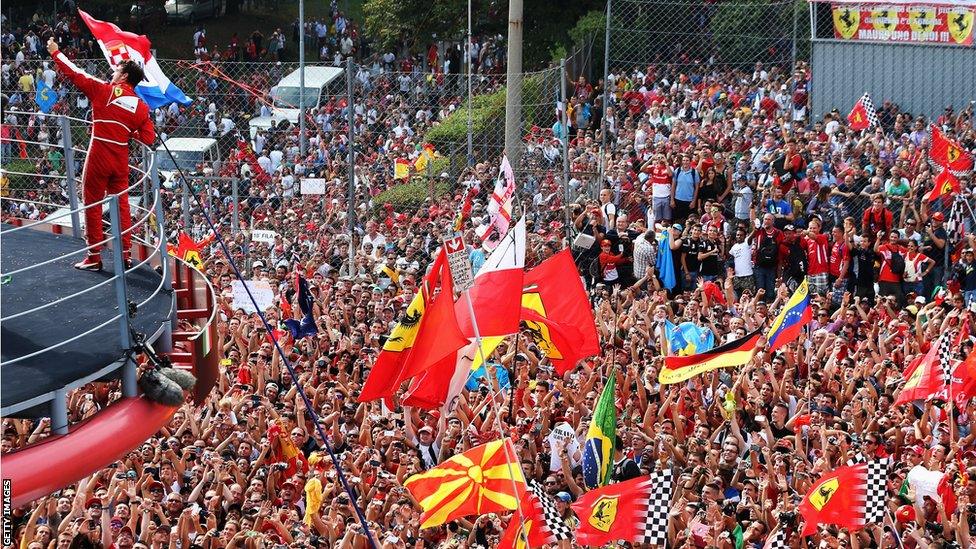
x=768 y=251
x=897 y=263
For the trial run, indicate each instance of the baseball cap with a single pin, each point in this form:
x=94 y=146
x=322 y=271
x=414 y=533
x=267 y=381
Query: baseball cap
x=257 y=265
x=94 y=502
x=426 y=428
x=920 y=300
x=938 y=216
x=789 y=228
x=565 y=497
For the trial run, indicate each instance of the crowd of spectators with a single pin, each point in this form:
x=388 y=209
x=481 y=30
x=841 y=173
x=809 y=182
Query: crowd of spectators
x=725 y=170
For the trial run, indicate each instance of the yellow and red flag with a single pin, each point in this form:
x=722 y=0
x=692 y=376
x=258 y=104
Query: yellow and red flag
x=837 y=498
x=946 y=185
x=401 y=168
x=485 y=479
x=948 y=153
x=188 y=250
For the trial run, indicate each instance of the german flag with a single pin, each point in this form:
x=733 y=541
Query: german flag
x=485 y=479
x=736 y=353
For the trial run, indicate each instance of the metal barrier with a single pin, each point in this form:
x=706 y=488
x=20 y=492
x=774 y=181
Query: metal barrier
x=149 y=215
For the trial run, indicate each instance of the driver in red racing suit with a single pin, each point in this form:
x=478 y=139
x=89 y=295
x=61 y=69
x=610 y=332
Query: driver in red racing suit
x=117 y=115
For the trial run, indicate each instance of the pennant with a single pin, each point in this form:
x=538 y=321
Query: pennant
x=665 y=261
x=733 y=354
x=118 y=46
x=485 y=479
x=795 y=315
x=45 y=97
x=863 y=116
x=601 y=438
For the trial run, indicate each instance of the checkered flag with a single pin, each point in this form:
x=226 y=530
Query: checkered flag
x=945 y=357
x=858 y=458
x=863 y=116
x=658 y=507
x=874 y=482
x=777 y=540
x=550 y=516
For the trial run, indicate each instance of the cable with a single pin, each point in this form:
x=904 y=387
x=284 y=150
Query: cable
x=309 y=408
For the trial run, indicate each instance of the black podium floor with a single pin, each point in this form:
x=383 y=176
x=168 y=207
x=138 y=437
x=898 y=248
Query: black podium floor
x=21 y=336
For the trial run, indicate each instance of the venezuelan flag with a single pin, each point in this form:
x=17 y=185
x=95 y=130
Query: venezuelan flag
x=600 y=438
x=794 y=316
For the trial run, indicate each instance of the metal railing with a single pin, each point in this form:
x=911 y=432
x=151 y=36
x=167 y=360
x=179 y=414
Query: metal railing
x=148 y=214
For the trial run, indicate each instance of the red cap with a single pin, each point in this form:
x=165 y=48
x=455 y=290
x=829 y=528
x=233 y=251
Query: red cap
x=938 y=216
x=93 y=502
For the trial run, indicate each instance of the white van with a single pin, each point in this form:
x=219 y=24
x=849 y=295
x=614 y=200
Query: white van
x=187 y=153
x=320 y=84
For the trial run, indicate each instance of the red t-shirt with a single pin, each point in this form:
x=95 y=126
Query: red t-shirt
x=839 y=253
x=886 y=274
x=818 y=250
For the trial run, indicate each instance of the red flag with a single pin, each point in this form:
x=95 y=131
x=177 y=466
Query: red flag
x=863 y=115
x=923 y=377
x=532 y=525
x=613 y=512
x=837 y=498
x=485 y=479
x=497 y=291
x=565 y=309
x=946 y=185
x=948 y=153
x=427 y=334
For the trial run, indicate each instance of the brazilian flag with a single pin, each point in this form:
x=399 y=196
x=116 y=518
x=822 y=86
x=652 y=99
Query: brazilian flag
x=600 y=438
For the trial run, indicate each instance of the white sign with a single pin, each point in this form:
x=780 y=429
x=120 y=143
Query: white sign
x=260 y=289
x=262 y=235
x=459 y=263
x=313 y=185
x=562 y=435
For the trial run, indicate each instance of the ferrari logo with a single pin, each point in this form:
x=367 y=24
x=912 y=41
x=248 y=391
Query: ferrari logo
x=604 y=513
x=960 y=24
x=538 y=330
x=846 y=21
x=117 y=91
x=953 y=153
x=822 y=495
x=520 y=543
x=921 y=18
x=193 y=258
x=884 y=19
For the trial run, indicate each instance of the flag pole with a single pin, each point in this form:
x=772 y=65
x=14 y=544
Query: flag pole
x=498 y=421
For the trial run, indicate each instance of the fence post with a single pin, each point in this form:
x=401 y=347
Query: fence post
x=59 y=412
x=71 y=184
x=793 y=41
x=118 y=265
x=350 y=149
x=160 y=226
x=564 y=141
x=185 y=204
x=235 y=220
x=606 y=103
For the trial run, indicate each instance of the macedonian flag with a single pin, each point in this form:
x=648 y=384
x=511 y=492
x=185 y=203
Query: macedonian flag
x=485 y=479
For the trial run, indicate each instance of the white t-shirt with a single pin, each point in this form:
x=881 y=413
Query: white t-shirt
x=741 y=253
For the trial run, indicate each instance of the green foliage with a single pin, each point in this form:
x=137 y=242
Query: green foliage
x=593 y=23
x=17 y=181
x=742 y=41
x=392 y=22
x=410 y=195
x=487 y=118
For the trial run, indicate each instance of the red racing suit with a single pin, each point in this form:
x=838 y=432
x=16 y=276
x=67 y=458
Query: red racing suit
x=117 y=115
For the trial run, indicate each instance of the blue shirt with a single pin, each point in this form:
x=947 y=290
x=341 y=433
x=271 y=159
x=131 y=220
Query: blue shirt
x=687 y=182
x=778 y=207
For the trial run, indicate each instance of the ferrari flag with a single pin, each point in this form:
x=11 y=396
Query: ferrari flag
x=485 y=479
x=849 y=497
x=614 y=512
